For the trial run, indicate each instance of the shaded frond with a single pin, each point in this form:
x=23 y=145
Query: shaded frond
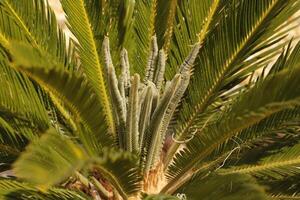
x=51 y=153
x=121 y=169
x=11 y=190
x=215 y=186
x=21 y=99
x=276 y=166
x=289 y=186
x=285 y=197
x=160 y=197
x=11 y=146
x=165 y=22
x=192 y=19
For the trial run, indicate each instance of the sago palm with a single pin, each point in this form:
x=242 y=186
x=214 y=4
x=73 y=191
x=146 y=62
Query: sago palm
x=150 y=99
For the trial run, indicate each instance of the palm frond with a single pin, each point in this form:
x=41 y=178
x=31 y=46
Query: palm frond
x=11 y=190
x=34 y=22
x=276 y=123
x=54 y=153
x=21 y=99
x=217 y=186
x=276 y=166
x=192 y=23
x=121 y=169
x=88 y=52
x=289 y=186
x=244 y=113
x=114 y=136
x=238 y=45
x=285 y=197
x=73 y=94
x=51 y=153
x=165 y=22
x=268 y=128
x=38 y=26
x=9 y=136
x=126 y=23
x=160 y=197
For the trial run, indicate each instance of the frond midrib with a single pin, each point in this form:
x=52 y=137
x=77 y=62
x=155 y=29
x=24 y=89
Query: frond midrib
x=102 y=92
x=263 y=166
x=203 y=33
x=23 y=26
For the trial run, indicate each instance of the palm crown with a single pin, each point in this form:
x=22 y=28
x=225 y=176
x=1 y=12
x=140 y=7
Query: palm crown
x=151 y=99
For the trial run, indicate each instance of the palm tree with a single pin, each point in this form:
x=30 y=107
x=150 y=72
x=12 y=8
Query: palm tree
x=150 y=99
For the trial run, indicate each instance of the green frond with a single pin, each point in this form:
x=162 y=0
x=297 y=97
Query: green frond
x=9 y=135
x=192 y=19
x=227 y=187
x=118 y=167
x=160 y=197
x=268 y=136
x=74 y=91
x=126 y=23
x=276 y=123
x=276 y=166
x=271 y=125
x=88 y=52
x=285 y=197
x=121 y=169
x=21 y=99
x=288 y=186
x=165 y=22
x=51 y=153
x=171 y=105
x=217 y=68
x=3 y=40
x=34 y=22
x=12 y=190
x=59 y=155
x=244 y=113
x=12 y=144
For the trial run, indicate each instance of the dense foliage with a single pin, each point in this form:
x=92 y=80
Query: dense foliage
x=150 y=99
